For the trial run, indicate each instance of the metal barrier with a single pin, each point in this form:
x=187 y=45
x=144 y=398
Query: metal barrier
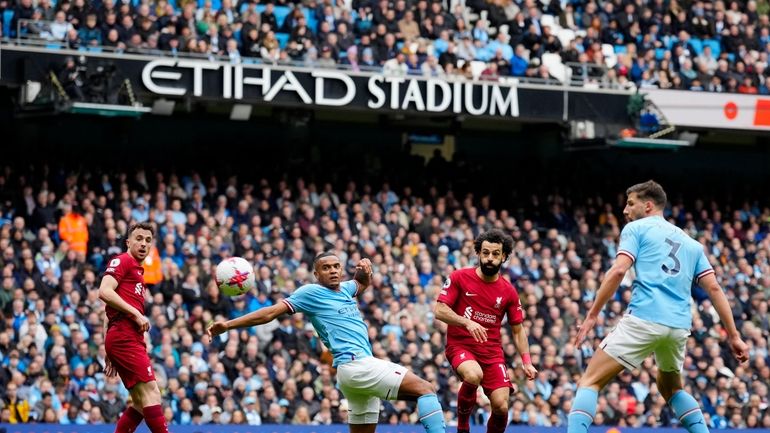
x=41 y=34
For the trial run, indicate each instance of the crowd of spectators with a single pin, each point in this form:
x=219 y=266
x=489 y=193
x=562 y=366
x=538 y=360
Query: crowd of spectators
x=718 y=46
x=59 y=229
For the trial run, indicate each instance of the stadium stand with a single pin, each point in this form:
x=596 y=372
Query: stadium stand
x=714 y=46
x=58 y=228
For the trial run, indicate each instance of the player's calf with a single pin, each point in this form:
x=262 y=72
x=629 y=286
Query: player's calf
x=498 y=421
x=688 y=411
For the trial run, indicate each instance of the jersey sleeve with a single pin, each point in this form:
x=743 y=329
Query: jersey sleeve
x=702 y=267
x=515 y=310
x=450 y=291
x=350 y=287
x=116 y=268
x=629 y=241
x=300 y=301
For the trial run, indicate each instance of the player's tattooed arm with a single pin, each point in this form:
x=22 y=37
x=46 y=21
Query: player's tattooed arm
x=259 y=317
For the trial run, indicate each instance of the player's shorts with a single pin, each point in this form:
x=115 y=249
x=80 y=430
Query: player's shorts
x=634 y=339
x=495 y=373
x=129 y=357
x=364 y=382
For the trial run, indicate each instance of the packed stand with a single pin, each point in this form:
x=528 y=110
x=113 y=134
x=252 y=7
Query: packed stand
x=58 y=231
x=701 y=45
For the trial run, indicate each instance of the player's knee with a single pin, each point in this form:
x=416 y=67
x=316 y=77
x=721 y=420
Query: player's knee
x=473 y=377
x=426 y=387
x=499 y=407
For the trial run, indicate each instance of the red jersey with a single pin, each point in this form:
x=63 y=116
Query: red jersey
x=484 y=303
x=130 y=276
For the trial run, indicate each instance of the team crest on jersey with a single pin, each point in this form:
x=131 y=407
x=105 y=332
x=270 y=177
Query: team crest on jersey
x=447 y=282
x=499 y=302
x=114 y=263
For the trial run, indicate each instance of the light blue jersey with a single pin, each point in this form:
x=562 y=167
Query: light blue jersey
x=336 y=318
x=666 y=261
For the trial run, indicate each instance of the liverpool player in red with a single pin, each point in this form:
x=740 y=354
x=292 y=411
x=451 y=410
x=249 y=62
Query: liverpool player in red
x=122 y=289
x=473 y=302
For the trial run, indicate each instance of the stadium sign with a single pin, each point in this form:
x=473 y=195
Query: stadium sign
x=154 y=77
x=712 y=110
x=331 y=88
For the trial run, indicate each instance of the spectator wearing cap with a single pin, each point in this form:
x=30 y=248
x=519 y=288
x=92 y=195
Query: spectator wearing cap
x=251 y=411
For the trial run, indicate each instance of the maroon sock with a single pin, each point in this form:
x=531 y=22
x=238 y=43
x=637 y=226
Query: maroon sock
x=156 y=422
x=129 y=420
x=497 y=423
x=466 y=400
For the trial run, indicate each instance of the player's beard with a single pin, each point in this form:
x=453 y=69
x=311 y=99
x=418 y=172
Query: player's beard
x=489 y=269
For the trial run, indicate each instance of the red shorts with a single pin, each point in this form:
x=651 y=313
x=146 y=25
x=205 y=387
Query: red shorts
x=495 y=373
x=128 y=355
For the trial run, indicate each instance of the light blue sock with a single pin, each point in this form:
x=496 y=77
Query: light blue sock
x=431 y=415
x=688 y=411
x=583 y=410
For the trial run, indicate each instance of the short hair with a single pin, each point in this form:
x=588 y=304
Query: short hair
x=141 y=226
x=649 y=190
x=321 y=256
x=494 y=236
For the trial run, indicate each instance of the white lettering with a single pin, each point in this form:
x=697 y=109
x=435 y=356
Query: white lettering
x=457 y=108
x=394 y=90
x=469 y=99
x=149 y=72
x=413 y=94
x=320 y=97
x=240 y=81
x=503 y=105
x=288 y=82
x=377 y=92
x=227 y=82
x=446 y=95
x=198 y=67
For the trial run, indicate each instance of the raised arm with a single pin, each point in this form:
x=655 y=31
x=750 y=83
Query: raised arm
x=259 y=317
x=363 y=275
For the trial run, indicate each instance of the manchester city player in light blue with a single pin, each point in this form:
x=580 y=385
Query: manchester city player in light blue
x=667 y=262
x=362 y=378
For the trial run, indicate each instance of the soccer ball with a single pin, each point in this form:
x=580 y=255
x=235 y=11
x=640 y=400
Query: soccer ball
x=235 y=276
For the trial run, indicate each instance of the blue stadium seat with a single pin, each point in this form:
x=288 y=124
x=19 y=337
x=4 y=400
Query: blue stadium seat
x=312 y=22
x=716 y=48
x=620 y=49
x=7 y=18
x=215 y=4
x=52 y=46
x=283 y=39
x=281 y=12
x=95 y=49
x=697 y=44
